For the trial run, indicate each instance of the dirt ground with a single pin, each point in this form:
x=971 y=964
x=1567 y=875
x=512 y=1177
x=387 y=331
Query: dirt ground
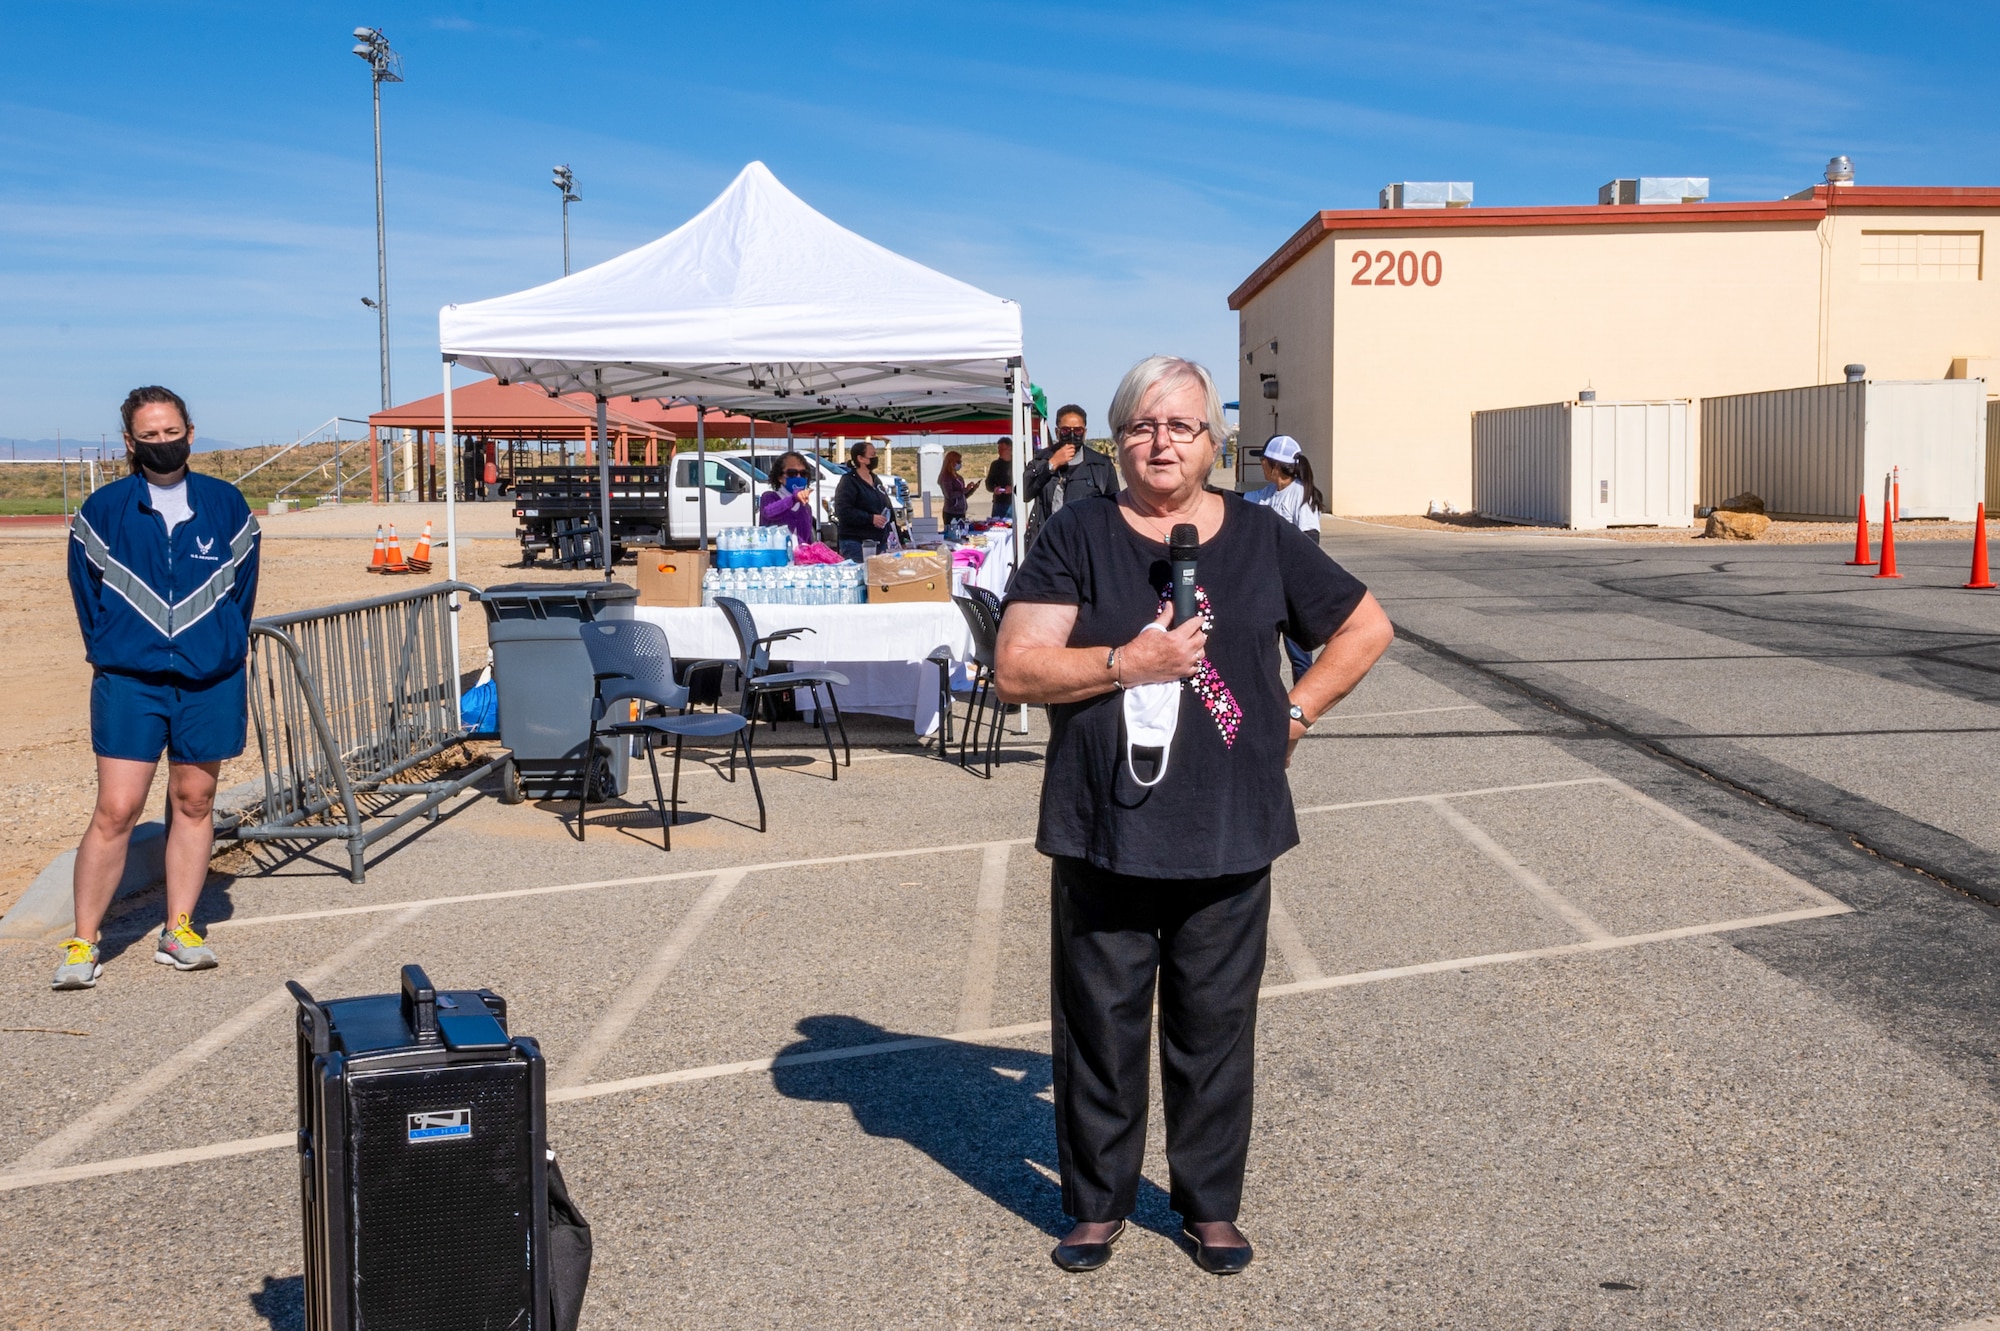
x=47 y=774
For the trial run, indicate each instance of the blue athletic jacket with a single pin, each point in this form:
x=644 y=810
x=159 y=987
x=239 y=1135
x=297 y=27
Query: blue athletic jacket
x=150 y=606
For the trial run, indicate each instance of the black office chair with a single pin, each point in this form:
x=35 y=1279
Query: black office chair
x=630 y=659
x=753 y=667
x=981 y=609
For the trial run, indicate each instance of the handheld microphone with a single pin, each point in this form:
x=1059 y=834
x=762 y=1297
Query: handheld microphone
x=1181 y=547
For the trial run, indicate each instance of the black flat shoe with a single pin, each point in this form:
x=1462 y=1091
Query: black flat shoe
x=1218 y=1261
x=1085 y=1256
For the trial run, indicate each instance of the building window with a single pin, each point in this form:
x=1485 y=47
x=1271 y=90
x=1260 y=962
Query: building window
x=1921 y=256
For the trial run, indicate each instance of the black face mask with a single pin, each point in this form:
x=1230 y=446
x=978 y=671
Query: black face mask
x=160 y=459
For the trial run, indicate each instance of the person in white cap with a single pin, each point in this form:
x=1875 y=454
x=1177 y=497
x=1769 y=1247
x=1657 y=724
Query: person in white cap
x=1290 y=489
x=1293 y=496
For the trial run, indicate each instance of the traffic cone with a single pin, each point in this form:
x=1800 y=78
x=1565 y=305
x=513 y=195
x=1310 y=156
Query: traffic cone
x=420 y=558
x=1861 y=556
x=1981 y=578
x=1888 y=569
x=395 y=564
x=381 y=559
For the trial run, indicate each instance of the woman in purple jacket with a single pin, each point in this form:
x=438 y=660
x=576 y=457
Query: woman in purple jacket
x=789 y=501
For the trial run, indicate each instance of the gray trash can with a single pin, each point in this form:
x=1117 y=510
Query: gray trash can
x=543 y=687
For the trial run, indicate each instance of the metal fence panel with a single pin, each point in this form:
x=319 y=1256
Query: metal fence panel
x=343 y=700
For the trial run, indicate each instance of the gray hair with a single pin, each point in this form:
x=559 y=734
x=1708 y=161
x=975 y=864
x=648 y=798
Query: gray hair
x=1155 y=371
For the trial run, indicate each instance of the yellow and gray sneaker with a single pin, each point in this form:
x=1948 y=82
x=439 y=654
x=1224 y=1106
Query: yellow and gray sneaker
x=183 y=949
x=80 y=966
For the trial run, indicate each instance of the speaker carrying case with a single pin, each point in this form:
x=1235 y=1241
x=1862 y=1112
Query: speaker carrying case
x=423 y=1164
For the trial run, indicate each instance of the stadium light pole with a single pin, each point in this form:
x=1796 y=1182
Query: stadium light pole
x=385 y=66
x=565 y=180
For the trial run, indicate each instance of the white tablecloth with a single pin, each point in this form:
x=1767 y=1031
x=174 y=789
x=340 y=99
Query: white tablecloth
x=880 y=648
x=998 y=565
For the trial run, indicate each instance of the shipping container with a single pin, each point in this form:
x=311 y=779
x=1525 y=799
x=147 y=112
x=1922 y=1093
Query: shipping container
x=1812 y=452
x=1587 y=465
x=1992 y=457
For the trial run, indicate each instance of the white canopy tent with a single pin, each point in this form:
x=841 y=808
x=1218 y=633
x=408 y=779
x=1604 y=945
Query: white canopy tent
x=757 y=305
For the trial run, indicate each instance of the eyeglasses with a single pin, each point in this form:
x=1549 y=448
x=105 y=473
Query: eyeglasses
x=1178 y=431
x=790 y=472
x=1070 y=434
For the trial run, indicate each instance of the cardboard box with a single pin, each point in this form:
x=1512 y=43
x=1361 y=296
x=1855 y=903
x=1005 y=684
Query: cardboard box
x=671 y=577
x=894 y=578
x=930 y=589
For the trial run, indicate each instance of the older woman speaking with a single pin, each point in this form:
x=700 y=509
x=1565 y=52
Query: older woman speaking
x=1165 y=801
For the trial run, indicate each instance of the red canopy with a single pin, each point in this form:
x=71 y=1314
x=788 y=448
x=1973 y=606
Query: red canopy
x=490 y=410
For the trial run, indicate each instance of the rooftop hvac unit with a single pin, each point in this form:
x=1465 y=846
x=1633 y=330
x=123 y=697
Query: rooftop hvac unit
x=1427 y=194
x=1655 y=189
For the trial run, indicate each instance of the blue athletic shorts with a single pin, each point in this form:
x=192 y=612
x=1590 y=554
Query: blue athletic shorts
x=139 y=716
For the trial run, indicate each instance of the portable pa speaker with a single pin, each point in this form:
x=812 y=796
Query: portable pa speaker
x=423 y=1163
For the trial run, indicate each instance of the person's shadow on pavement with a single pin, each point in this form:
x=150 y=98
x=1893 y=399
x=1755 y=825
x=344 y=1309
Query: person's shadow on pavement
x=981 y=1111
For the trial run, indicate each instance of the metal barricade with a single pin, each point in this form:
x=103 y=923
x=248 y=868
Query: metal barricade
x=344 y=699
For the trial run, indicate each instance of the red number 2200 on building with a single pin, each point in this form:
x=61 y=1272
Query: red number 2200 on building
x=1387 y=268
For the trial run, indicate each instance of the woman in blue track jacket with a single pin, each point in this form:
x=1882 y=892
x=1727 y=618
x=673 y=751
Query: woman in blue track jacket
x=163 y=569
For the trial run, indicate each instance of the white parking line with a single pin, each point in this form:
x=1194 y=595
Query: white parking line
x=59 y=1146
x=1606 y=944
x=29 y=1178
x=1338 y=715
x=1750 y=857
x=982 y=958
x=632 y=1000
x=1563 y=908
x=1456 y=794
x=640 y=881
x=288 y=917
x=1291 y=943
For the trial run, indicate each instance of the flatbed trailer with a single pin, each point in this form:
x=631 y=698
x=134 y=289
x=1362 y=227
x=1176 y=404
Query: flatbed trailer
x=558 y=511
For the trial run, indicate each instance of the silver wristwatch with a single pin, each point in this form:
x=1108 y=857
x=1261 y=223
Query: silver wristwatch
x=1298 y=714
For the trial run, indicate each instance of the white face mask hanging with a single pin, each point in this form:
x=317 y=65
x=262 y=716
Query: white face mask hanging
x=1152 y=714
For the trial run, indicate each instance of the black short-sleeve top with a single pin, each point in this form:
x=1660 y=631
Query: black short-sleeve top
x=1224 y=805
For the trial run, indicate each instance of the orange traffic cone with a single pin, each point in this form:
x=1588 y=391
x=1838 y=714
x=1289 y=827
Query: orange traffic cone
x=420 y=558
x=1981 y=578
x=395 y=564
x=381 y=559
x=1888 y=569
x=1861 y=555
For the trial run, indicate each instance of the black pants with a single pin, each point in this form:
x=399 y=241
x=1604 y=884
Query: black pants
x=1204 y=938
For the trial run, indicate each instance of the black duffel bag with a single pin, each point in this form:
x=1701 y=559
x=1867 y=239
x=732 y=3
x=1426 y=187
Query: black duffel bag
x=569 y=1253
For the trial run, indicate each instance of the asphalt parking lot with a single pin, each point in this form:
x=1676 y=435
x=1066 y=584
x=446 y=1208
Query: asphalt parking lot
x=1633 y=970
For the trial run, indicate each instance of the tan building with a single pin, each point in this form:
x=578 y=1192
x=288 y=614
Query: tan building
x=1373 y=335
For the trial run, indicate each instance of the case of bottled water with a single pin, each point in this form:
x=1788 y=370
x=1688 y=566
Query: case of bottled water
x=788 y=584
x=753 y=547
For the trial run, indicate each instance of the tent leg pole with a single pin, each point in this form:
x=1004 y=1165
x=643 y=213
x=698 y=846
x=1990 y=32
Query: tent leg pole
x=603 y=480
x=451 y=529
x=701 y=469
x=1023 y=450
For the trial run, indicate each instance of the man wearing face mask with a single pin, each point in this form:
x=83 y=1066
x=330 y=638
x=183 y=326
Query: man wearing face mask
x=1066 y=471
x=163 y=570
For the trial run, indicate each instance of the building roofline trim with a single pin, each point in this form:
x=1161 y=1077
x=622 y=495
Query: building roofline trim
x=1824 y=199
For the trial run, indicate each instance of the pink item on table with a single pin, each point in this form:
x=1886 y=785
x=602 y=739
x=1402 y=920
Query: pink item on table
x=815 y=553
x=967 y=557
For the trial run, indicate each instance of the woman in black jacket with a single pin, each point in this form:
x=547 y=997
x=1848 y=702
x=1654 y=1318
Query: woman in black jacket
x=860 y=506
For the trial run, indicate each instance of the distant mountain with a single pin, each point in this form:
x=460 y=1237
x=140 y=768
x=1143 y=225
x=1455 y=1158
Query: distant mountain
x=44 y=450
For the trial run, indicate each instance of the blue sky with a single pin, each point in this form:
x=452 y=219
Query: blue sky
x=188 y=196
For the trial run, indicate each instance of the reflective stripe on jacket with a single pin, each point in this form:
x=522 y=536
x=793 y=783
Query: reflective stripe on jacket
x=148 y=604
